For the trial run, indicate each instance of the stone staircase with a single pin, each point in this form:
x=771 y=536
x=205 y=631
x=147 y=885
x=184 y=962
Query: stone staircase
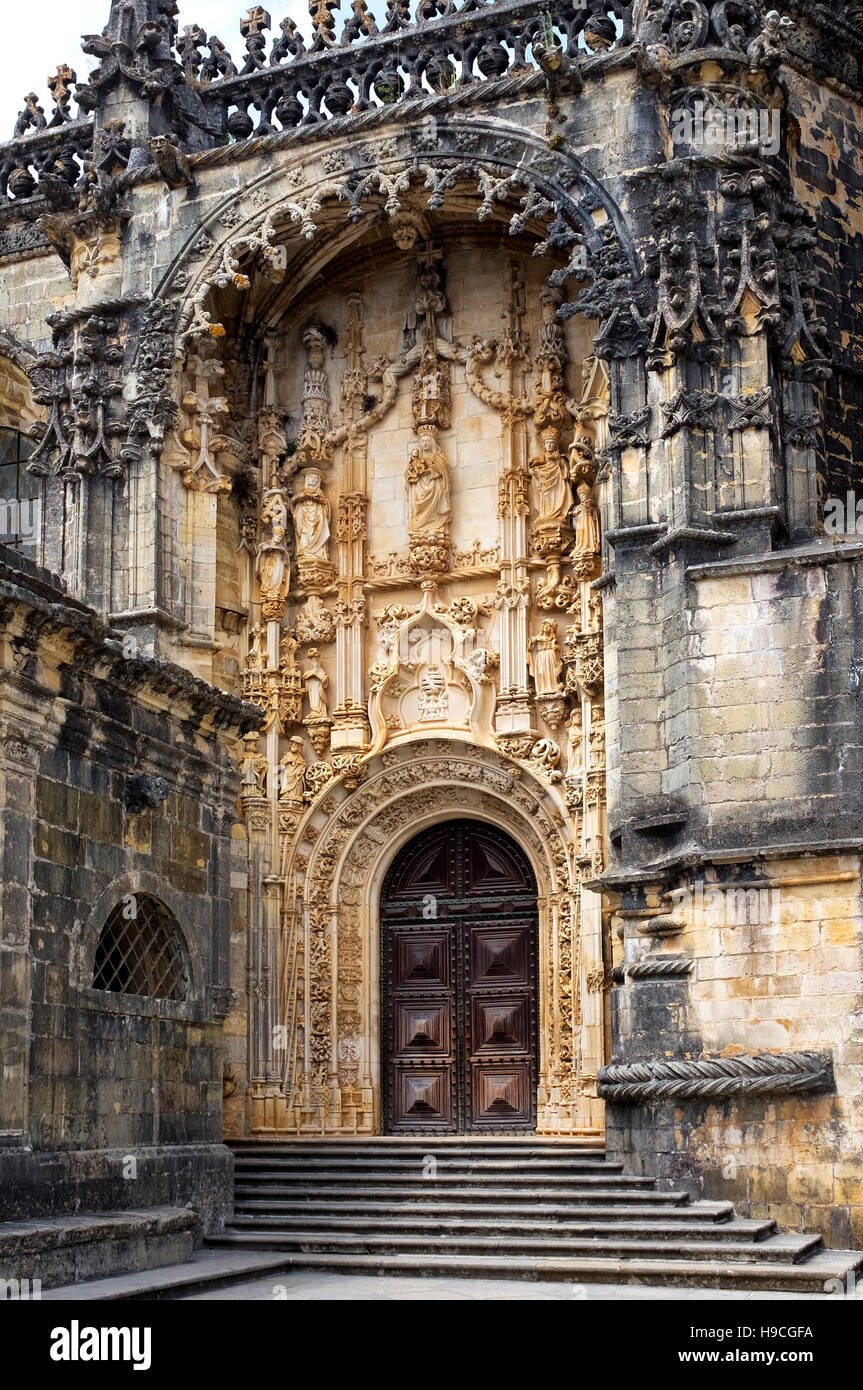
x=514 y=1208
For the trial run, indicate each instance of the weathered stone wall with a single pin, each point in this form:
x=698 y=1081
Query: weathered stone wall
x=109 y=1099
x=286 y=290
x=774 y=967
x=826 y=176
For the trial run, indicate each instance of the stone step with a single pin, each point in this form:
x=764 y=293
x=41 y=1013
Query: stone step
x=784 y=1249
x=479 y=1177
x=706 y=1214
x=824 y=1272
x=435 y=1229
x=269 y=1170
x=207 y=1269
x=59 y=1250
x=429 y=1192
x=526 y=1145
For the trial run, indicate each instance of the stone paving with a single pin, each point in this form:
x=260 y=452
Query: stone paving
x=310 y=1287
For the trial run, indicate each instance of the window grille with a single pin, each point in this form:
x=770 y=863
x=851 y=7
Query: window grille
x=19 y=494
x=139 y=951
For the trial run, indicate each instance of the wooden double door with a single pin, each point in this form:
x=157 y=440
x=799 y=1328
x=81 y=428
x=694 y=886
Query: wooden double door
x=459 y=940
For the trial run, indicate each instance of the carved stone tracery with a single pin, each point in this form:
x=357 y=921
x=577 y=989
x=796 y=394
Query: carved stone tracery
x=336 y=879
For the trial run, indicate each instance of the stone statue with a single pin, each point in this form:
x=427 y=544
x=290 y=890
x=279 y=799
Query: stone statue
x=545 y=660
x=316 y=680
x=551 y=490
x=253 y=770
x=313 y=444
x=292 y=769
x=427 y=478
x=586 y=519
x=311 y=514
x=273 y=564
x=574 y=731
x=274 y=514
x=288 y=648
x=257 y=657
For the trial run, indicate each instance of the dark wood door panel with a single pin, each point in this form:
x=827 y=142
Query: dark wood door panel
x=499 y=956
x=502 y=1096
x=421 y=960
x=459 y=948
x=500 y=1028
x=423 y=1028
x=423 y=1098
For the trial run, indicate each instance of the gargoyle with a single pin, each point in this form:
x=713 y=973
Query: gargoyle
x=172 y=163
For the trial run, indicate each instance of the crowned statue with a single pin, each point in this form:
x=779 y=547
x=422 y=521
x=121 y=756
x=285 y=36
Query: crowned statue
x=551 y=491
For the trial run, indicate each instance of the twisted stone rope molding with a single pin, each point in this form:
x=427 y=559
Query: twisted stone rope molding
x=716 y=1078
x=659 y=967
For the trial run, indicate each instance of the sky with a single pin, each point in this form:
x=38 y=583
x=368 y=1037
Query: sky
x=36 y=37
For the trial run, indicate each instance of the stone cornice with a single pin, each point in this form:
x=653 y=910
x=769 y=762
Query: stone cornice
x=35 y=608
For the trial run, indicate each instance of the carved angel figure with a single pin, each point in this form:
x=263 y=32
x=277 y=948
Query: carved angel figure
x=427 y=477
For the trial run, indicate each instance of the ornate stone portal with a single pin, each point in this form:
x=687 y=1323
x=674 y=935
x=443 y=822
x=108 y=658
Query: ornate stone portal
x=331 y=976
x=431 y=687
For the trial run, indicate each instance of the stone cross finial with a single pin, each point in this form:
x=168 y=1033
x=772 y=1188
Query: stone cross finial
x=323 y=23
x=190 y=42
x=252 y=29
x=60 y=87
x=256 y=20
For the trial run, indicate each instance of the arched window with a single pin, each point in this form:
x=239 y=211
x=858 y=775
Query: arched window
x=19 y=494
x=140 y=951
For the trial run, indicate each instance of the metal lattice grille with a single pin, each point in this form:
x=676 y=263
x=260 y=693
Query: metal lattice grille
x=139 y=951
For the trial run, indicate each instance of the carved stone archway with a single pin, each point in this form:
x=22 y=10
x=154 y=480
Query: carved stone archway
x=325 y=1076
x=313 y=963
x=339 y=182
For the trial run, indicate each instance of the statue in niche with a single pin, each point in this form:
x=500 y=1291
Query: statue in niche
x=292 y=769
x=288 y=648
x=273 y=565
x=575 y=733
x=316 y=680
x=551 y=490
x=427 y=478
x=545 y=661
x=257 y=657
x=311 y=514
x=431 y=392
x=586 y=519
